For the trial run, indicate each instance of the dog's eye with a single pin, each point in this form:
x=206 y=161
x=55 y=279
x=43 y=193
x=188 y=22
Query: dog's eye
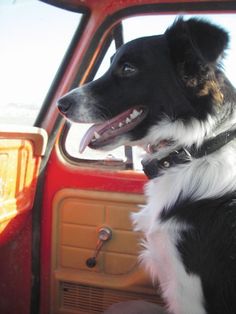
x=128 y=69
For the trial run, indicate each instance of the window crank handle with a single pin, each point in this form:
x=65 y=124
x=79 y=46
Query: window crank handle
x=104 y=235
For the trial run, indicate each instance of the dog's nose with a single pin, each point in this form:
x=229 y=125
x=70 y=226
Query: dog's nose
x=64 y=104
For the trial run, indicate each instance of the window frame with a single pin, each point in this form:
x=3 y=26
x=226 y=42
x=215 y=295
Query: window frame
x=48 y=101
x=65 y=60
x=113 y=23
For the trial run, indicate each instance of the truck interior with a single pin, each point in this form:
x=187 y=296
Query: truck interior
x=67 y=245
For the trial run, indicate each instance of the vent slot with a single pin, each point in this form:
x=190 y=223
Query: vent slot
x=89 y=299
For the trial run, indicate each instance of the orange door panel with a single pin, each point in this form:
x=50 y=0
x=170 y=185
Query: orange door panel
x=78 y=217
x=21 y=150
x=20 y=154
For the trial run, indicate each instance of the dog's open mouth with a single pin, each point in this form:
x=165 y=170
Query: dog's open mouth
x=102 y=134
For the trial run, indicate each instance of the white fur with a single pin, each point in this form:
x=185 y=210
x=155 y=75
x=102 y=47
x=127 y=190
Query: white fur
x=182 y=291
x=183 y=134
x=84 y=111
x=199 y=179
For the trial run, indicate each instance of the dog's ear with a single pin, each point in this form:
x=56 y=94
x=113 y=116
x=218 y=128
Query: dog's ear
x=195 y=47
x=198 y=38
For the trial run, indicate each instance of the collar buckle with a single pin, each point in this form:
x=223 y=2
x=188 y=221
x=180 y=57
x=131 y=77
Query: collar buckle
x=153 y=168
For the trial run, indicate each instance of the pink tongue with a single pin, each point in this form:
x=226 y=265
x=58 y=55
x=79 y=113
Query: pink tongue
x=87 y=138
x=89 y=135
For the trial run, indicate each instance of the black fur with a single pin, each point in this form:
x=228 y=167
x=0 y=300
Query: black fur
x=195 y=63
x=208 y=249
x=190 y=41
x=177 y=75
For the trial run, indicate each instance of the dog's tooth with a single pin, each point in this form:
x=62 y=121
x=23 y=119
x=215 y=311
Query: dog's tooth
x=96 y=135
x=120 y=125
x=134 y=114
x=127 y=120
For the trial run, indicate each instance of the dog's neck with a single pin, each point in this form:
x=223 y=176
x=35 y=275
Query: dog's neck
x=154 y=167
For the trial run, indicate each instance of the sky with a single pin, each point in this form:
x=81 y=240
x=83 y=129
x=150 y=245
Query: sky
x=34 y=37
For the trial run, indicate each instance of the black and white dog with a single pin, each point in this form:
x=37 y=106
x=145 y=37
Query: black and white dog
x=169 y=95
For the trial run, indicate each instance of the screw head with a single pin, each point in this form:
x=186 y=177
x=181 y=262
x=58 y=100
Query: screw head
x=104 y=234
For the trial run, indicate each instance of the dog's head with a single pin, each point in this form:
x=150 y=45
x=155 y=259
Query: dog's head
x=153 y=83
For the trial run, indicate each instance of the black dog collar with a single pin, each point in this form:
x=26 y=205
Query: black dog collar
x=152 y=167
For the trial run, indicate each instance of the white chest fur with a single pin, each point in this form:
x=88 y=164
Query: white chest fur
x=183 y=291
x=160 y=257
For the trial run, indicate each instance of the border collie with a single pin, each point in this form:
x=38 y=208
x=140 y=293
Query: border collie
x=168 y=94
